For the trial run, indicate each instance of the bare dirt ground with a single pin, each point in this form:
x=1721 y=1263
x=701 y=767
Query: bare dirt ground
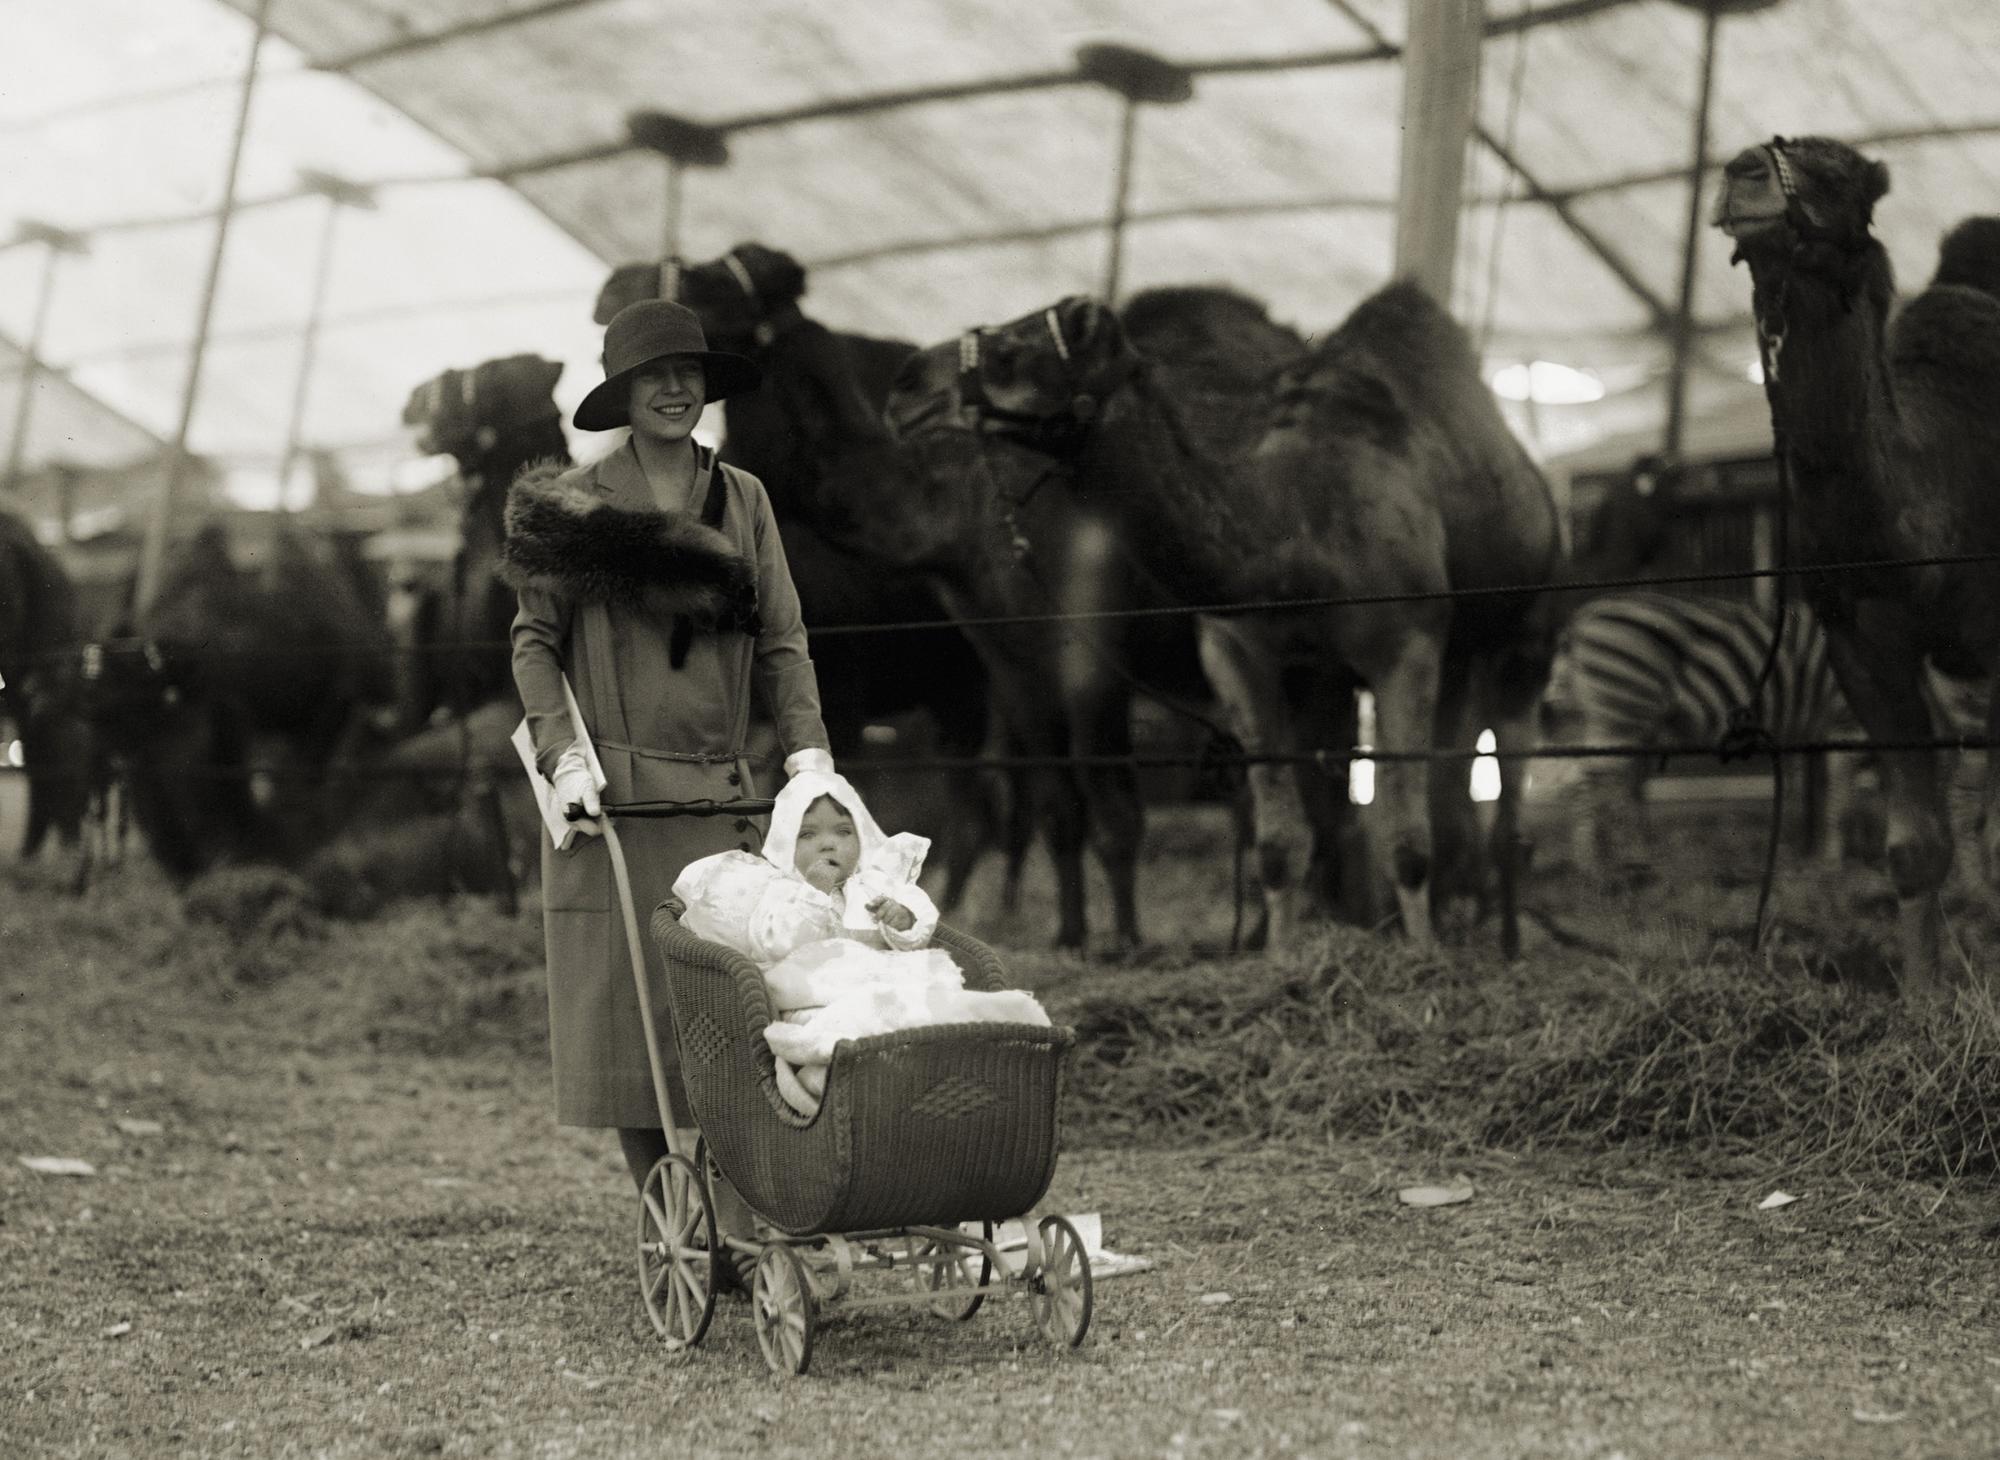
x=357 y=1232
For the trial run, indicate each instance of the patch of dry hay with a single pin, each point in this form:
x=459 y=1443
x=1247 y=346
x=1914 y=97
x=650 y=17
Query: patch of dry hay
x=1365 y=1037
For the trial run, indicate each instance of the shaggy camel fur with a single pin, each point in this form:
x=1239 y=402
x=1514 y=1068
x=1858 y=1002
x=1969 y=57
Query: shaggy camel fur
x=1892 y=444
x=1378 y=463
x=451 y=635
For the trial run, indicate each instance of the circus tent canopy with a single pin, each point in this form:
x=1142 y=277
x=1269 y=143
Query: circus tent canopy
x=936 y=163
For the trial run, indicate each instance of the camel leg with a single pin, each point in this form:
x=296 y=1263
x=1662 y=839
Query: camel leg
x=1032 y=721
x=1883 y=684
x=1100 y=718
x=1097 y=697
x=1247 y=680
x=1989 y=796
x=1513 y=736
x=1406 y=718
x=1843 y=770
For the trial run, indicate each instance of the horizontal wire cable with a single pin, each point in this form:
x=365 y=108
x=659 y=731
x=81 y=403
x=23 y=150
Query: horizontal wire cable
x=1274 y=605
x=1325 y=758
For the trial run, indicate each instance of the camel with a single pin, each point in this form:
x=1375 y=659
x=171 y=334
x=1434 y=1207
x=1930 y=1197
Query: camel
x=1376 y=463
x=1892 y=450
x=276 y=664
x=40 y=658
x=929 y=514
x=817 y=421
x=493 y=419
x=1005 y=533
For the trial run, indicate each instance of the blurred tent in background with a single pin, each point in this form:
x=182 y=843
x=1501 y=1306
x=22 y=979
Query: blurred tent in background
x=936 y=164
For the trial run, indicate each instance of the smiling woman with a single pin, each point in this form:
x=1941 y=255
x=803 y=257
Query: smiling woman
x=654 y=581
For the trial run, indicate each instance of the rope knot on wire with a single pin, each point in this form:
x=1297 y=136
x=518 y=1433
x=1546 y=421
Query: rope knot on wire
x=1745 y=736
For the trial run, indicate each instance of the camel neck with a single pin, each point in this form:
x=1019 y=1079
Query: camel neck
x=1833 y=389
x=1185 y=521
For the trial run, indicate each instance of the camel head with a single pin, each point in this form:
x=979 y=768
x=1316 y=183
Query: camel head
x=467 y=412
x=1040 y=380
x=743 y=296
x=1784 y=195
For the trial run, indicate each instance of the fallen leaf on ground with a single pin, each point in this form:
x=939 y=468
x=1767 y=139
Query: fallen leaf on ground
x=1880 y=1416
x=59 y=1165
x=324 y=1334
x=584 y=1379
x=1216 y=1299
x=118 y=1330
x=133 y=1126
x=1436 y=1196
x=1775 y=1200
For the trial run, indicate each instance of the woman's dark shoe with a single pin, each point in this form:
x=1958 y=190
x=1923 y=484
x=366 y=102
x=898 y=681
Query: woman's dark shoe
x=735 y=1273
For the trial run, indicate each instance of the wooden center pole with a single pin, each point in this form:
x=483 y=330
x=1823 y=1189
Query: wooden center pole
x=1440 y=94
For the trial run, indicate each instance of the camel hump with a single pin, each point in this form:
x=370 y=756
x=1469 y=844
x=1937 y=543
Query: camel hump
x=1970 y=255
x=1199 y=325
x=1951 y=334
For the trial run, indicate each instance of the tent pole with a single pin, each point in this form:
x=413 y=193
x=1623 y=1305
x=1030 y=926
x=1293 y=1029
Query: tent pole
x=1440 y=92
x=670 y=251
x=152 y=551
x=1683 y=339
x=55 y=243
x=308 y=352
x=1121 y=192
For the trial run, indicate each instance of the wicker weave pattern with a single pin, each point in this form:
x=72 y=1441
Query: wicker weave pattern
x=925 y=1126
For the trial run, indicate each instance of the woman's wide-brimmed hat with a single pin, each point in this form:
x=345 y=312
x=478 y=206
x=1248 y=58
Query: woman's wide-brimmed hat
x=651 y=330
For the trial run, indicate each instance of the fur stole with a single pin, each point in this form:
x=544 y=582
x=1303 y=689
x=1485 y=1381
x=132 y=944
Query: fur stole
x=564 y=539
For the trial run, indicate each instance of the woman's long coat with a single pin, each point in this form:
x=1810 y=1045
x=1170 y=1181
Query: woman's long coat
x=604 y=576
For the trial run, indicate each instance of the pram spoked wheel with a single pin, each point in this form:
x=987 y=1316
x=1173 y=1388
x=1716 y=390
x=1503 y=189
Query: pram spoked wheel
x=677 y=1251
x=784 y=1309
x=1063 y=1297
x=947 y=1270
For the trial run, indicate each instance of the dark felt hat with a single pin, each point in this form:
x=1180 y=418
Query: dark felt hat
x=650 y=330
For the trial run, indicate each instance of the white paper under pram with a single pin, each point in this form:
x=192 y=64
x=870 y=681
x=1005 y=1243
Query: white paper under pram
x=1012 y=1240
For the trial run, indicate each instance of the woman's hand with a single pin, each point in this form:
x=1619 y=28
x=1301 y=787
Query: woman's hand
x=575 y=786
x=892 y=914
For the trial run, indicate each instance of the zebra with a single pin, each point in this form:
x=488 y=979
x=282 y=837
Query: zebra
x=1649 y=669
x=1652 y=669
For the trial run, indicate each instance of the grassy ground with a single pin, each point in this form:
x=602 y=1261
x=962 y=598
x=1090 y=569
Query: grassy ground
x=358 y=1232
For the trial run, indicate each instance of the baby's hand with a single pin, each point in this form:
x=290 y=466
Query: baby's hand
x=893 y=914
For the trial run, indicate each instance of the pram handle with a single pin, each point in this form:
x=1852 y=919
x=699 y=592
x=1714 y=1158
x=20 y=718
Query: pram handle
x=743 y=806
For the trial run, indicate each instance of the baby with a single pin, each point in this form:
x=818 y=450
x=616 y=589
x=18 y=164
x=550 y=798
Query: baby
x=833 y=915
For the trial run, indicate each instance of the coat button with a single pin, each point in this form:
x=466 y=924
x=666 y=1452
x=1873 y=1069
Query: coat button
x=741 y=824
x=743 y=846
x=735 y=778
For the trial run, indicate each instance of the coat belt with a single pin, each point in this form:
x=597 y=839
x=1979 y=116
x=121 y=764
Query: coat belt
x=689 y=757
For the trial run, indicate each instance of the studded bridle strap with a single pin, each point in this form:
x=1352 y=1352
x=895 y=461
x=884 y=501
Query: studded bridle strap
x=741 y=275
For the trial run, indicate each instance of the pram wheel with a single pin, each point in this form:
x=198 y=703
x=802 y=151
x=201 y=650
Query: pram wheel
x=677 y=1251
x=1063 y=1297
x=784 y=1309
x=947 y=1270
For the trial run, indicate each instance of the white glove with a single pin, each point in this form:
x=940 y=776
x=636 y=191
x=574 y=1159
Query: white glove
x=575 y=784
x=812 y=758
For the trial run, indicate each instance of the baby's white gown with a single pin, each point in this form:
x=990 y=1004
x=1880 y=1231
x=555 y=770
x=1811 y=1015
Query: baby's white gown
x=834 y=971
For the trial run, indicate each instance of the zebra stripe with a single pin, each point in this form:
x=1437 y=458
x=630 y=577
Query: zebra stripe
x=1651 y=668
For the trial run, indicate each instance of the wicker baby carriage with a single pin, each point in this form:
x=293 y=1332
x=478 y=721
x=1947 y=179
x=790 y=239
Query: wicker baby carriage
x=924 y=1141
